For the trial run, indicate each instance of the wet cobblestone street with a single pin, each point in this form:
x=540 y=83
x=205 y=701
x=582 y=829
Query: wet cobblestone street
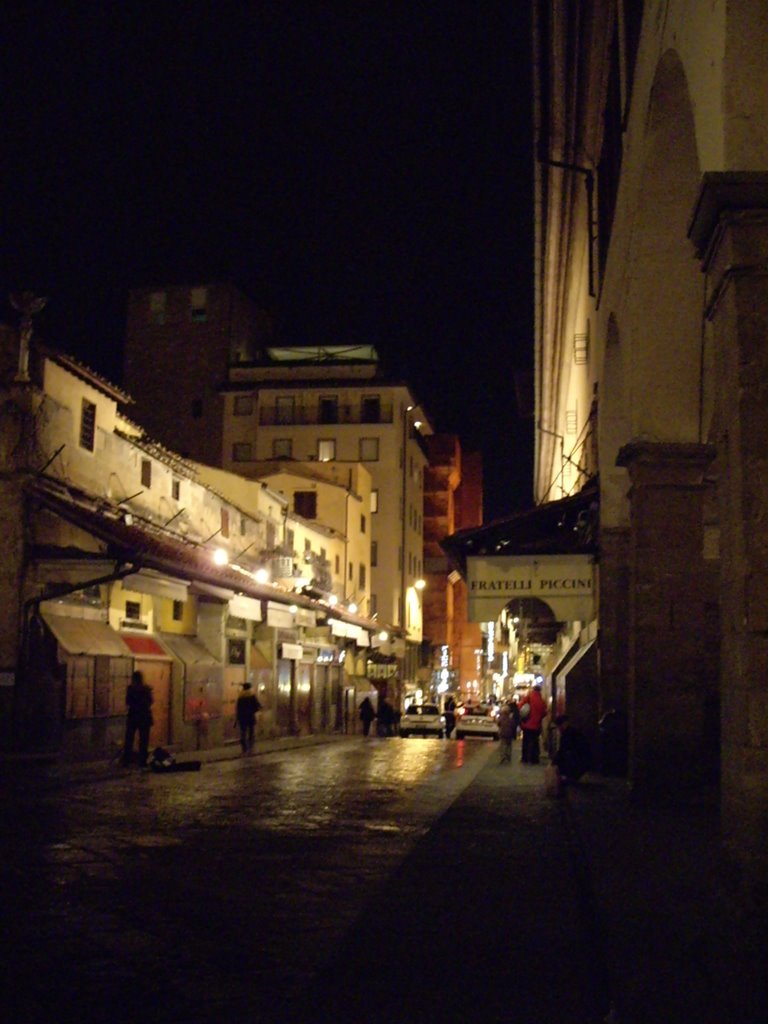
x=186 y=896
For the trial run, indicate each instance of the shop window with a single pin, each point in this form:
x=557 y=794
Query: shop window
x=87 y=425
x=236 y=651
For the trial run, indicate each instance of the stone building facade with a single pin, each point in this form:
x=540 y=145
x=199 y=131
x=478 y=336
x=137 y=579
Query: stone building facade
x=651 y=147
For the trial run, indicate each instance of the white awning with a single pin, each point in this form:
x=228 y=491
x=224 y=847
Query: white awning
x=85 y=636
x=245 y=608
x=159 y=586
x=279 y=615
x=574 y=660
x=188 y=649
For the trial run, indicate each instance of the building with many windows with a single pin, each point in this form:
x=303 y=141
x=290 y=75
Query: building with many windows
x=333 y=407
x=120 y=555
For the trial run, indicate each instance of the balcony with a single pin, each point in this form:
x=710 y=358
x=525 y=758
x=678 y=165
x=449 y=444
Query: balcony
x=313 y=416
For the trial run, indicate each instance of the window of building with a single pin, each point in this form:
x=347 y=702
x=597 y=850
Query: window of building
x=374 y=605
x=146 y=473
x=282 y=448
x=291 y=538
x=242 y=451
x=305 y=504
x=307 y=544
x=284 y=409
x=225 y=522
x=374 y=553
x=244 y=405
x=176 y=489
x=374 y=501
x=361 y=576
x=270 y=535
x=362 y=524
x=337 y=565
x=370 y=409
x=157 y=307
x=87 y=425
x=133 y=610
x=326 y=450
x=369 y=449
x=178 y=611
x=197 y=408
x=351 y=570
x=235 y=651
x=198 y=305
x=243 y=526
x=329 y=409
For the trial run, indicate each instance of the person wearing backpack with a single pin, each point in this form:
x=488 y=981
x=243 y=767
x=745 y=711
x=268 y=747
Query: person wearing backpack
x=531 y=722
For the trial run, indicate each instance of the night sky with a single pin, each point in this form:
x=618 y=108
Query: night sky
x=364 y=170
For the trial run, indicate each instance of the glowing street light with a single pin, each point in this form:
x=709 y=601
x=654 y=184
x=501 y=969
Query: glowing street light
x=220 y=557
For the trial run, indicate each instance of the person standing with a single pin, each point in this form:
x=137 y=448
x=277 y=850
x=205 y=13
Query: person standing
x=531 y=723
x=246 y=709
x=507 y=733
x=138 y=700
x=367 y=715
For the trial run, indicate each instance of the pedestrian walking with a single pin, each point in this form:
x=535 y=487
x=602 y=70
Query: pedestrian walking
x=138 y=700
x=533 y=711
x=246 y=709
x=367 y=715
x=449 y=712
x=507 y=733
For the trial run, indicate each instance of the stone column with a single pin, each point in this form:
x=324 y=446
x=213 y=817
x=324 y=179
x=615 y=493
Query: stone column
x=730 y=231
x=672 y=678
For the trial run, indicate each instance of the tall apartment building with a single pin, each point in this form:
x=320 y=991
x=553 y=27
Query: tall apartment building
x=179 y=342
x=333 y=406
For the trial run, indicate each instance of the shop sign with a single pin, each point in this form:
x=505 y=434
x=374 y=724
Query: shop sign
x=565 y=582
x=292 y=652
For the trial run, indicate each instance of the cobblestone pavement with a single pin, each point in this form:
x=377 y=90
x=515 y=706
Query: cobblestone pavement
x=379 y=880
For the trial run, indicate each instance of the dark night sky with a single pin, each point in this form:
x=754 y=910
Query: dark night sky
x=363 y=169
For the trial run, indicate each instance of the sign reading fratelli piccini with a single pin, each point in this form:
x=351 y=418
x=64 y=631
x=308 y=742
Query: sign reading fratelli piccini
x=564 y=582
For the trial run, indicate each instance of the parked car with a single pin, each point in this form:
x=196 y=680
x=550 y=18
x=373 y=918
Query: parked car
x=476 y=721
x=422 y=720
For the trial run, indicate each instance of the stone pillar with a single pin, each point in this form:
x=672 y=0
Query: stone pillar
x=613 y=597
x=730 y=231
x=672 y=677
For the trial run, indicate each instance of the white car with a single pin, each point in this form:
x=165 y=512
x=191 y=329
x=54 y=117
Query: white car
x=422 y=720
x=476 y=721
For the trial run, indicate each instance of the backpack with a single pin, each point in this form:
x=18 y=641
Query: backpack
x=525 y=711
